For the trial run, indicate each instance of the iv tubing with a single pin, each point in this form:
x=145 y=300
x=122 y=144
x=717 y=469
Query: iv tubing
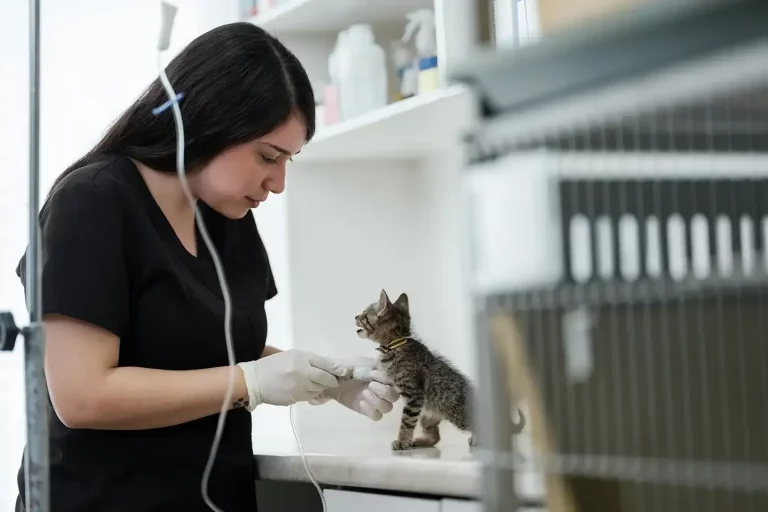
x=169 y=12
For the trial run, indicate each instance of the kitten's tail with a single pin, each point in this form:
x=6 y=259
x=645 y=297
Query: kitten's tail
x=519 y=425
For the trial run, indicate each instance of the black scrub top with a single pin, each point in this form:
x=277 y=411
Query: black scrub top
x=110 y=257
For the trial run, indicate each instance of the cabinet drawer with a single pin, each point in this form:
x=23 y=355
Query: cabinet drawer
x=449 y=505
x=348 y=501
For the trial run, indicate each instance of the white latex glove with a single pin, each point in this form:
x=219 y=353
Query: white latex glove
x=289 y=377
x=373 y=399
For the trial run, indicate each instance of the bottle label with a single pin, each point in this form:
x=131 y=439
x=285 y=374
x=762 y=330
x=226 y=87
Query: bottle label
x=427 y=63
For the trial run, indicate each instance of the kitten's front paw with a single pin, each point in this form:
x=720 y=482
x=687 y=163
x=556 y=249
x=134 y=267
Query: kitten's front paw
x=401 y=445
x=348 y=374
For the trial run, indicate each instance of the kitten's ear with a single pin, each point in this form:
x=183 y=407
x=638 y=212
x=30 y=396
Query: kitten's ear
x=384 y=303
x=402 y=302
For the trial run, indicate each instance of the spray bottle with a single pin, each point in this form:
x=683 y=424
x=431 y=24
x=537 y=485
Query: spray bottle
x=421 y=23
x=406 y=71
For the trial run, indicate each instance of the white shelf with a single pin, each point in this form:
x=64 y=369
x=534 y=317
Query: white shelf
x=308 y=16
x=410 y=129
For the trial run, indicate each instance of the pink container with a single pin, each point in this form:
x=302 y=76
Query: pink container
x=331 y=104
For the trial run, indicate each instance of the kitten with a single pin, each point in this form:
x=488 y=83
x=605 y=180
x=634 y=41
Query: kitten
x=433 y=388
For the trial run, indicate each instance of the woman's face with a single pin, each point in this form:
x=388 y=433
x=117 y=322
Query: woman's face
x=242 y=177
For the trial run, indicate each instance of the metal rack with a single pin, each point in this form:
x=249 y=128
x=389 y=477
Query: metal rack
x=619 y=218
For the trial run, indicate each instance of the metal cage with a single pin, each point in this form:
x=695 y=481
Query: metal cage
x=619 y=225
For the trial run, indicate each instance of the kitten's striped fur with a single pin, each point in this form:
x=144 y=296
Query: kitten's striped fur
x=432 y=387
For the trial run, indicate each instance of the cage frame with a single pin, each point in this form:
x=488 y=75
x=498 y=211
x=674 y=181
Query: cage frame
x=680 y=52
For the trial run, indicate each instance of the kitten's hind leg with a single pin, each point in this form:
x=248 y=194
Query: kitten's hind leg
x=430 y=426
x=410 y=417
x=460 y=416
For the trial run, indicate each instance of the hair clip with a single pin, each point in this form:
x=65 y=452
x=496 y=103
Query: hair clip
x=164 y=106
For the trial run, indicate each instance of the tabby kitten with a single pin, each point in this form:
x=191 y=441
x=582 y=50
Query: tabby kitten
x=433 y=388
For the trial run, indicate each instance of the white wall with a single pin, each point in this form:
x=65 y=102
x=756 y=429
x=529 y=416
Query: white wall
x=356 y=227
x=271 y=425
x=96 y=57
x=444 y=207
x=352 y=230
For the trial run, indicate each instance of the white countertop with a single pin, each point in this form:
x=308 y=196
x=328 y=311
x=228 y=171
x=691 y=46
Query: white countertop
x=346 y=451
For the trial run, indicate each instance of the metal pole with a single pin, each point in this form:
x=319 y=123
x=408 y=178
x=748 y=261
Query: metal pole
x=36 y=460
x=493 y=418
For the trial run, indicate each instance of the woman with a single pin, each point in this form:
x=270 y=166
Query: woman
x=136 y=356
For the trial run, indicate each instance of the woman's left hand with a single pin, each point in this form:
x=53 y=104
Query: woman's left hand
x=373 y=399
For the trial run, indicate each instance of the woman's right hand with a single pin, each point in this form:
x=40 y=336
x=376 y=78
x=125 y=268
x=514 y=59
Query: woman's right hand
x=289 y=377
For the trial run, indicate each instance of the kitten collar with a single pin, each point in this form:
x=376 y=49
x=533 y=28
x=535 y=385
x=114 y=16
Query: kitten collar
x=399 y=342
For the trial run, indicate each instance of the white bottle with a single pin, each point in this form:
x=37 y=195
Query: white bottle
x=362 y=67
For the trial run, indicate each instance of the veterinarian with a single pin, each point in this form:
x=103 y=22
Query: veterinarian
x=136 y=360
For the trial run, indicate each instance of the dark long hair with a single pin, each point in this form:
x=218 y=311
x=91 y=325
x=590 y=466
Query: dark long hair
x=239 y=83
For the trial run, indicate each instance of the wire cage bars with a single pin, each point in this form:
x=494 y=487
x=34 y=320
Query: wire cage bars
x=620 y=267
